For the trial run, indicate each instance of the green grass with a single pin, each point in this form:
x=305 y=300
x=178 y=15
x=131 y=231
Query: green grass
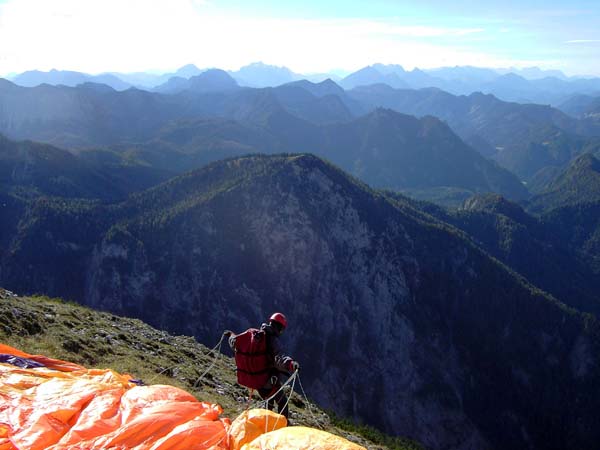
x=374 y=435
x=65 y=330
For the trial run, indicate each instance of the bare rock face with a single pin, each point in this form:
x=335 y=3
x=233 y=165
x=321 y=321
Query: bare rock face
x=397 y=319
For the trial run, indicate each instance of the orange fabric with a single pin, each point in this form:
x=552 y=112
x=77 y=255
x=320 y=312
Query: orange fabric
x=252 y=423
x=7 y=349
x=5 y=443
x=63 y=408
x=50 y=363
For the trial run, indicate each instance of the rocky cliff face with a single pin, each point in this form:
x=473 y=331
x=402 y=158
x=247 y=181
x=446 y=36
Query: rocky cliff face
x=344 y=278
x=397 y=319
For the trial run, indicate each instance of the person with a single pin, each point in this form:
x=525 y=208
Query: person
x=280 y=365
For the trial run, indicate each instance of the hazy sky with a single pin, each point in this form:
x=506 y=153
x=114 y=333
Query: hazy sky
x=307 y=36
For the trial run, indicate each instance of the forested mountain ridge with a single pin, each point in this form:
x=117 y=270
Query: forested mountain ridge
x=35 y=169
x=225 y=245
x=385 y=149
x=523 y=138
x=579 y=183
x=533 y=246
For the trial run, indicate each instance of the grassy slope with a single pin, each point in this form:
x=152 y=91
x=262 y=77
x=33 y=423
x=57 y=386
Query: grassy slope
x=64 y=330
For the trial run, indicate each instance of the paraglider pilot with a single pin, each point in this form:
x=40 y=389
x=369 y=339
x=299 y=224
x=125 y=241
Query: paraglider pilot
x=261 y=363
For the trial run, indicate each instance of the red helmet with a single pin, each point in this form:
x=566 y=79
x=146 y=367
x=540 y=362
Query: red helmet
x=279 y=318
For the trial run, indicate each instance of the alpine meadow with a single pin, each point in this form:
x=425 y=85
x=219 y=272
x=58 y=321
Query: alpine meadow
x=299 y=225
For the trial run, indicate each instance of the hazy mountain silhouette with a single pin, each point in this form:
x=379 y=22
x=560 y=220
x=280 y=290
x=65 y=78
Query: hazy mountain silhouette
x=465 y=75
x=68 y=78
x=530 y=85
x=510 y=87
x=188 y=71
x=381 y=148
x=534 y=73
x=212 y=80
x=526 y=139
x=324 y=108
x=330 y=88
x=584 y=107
x=549 y=90
x=384 y=148
x=415 y=78
x=186 y=144
x=84 y=115
x=392 y=150
x=259 y=75
x=321 y=89
x=522 y=138
x=149 y=80
x=370 y=75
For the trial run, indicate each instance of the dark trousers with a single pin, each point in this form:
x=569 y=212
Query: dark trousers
x=281 y=399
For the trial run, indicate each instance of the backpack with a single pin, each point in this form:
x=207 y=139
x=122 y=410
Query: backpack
x=252 y=359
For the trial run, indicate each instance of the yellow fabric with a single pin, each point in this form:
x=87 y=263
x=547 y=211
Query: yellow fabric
x=66 y=407
x=251 y=424
x=300 y=438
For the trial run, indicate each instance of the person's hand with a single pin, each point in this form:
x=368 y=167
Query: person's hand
x=227 y=333
x=295 y=365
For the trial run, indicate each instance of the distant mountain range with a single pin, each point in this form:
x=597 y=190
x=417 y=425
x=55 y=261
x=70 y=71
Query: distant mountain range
x=530 y=85
x=582 y=107
x=523 y=138
x=263 y=75
x=384 y=148
x=116 y=80
x=212 y=80
x=533 y=141
x=545 y=88
x=253 y=75
x=68 y=78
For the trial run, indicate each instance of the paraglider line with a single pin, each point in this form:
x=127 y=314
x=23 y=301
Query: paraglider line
x=216 y=348
x=308 y=403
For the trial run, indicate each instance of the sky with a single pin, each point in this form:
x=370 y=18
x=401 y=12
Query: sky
x=308 y=36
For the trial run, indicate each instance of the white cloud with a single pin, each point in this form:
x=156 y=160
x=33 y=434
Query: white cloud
x=582 y=41
x=132 y=35
x=94 y=36
x=373 y=27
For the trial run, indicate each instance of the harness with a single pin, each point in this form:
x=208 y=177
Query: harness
x=252 y=358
